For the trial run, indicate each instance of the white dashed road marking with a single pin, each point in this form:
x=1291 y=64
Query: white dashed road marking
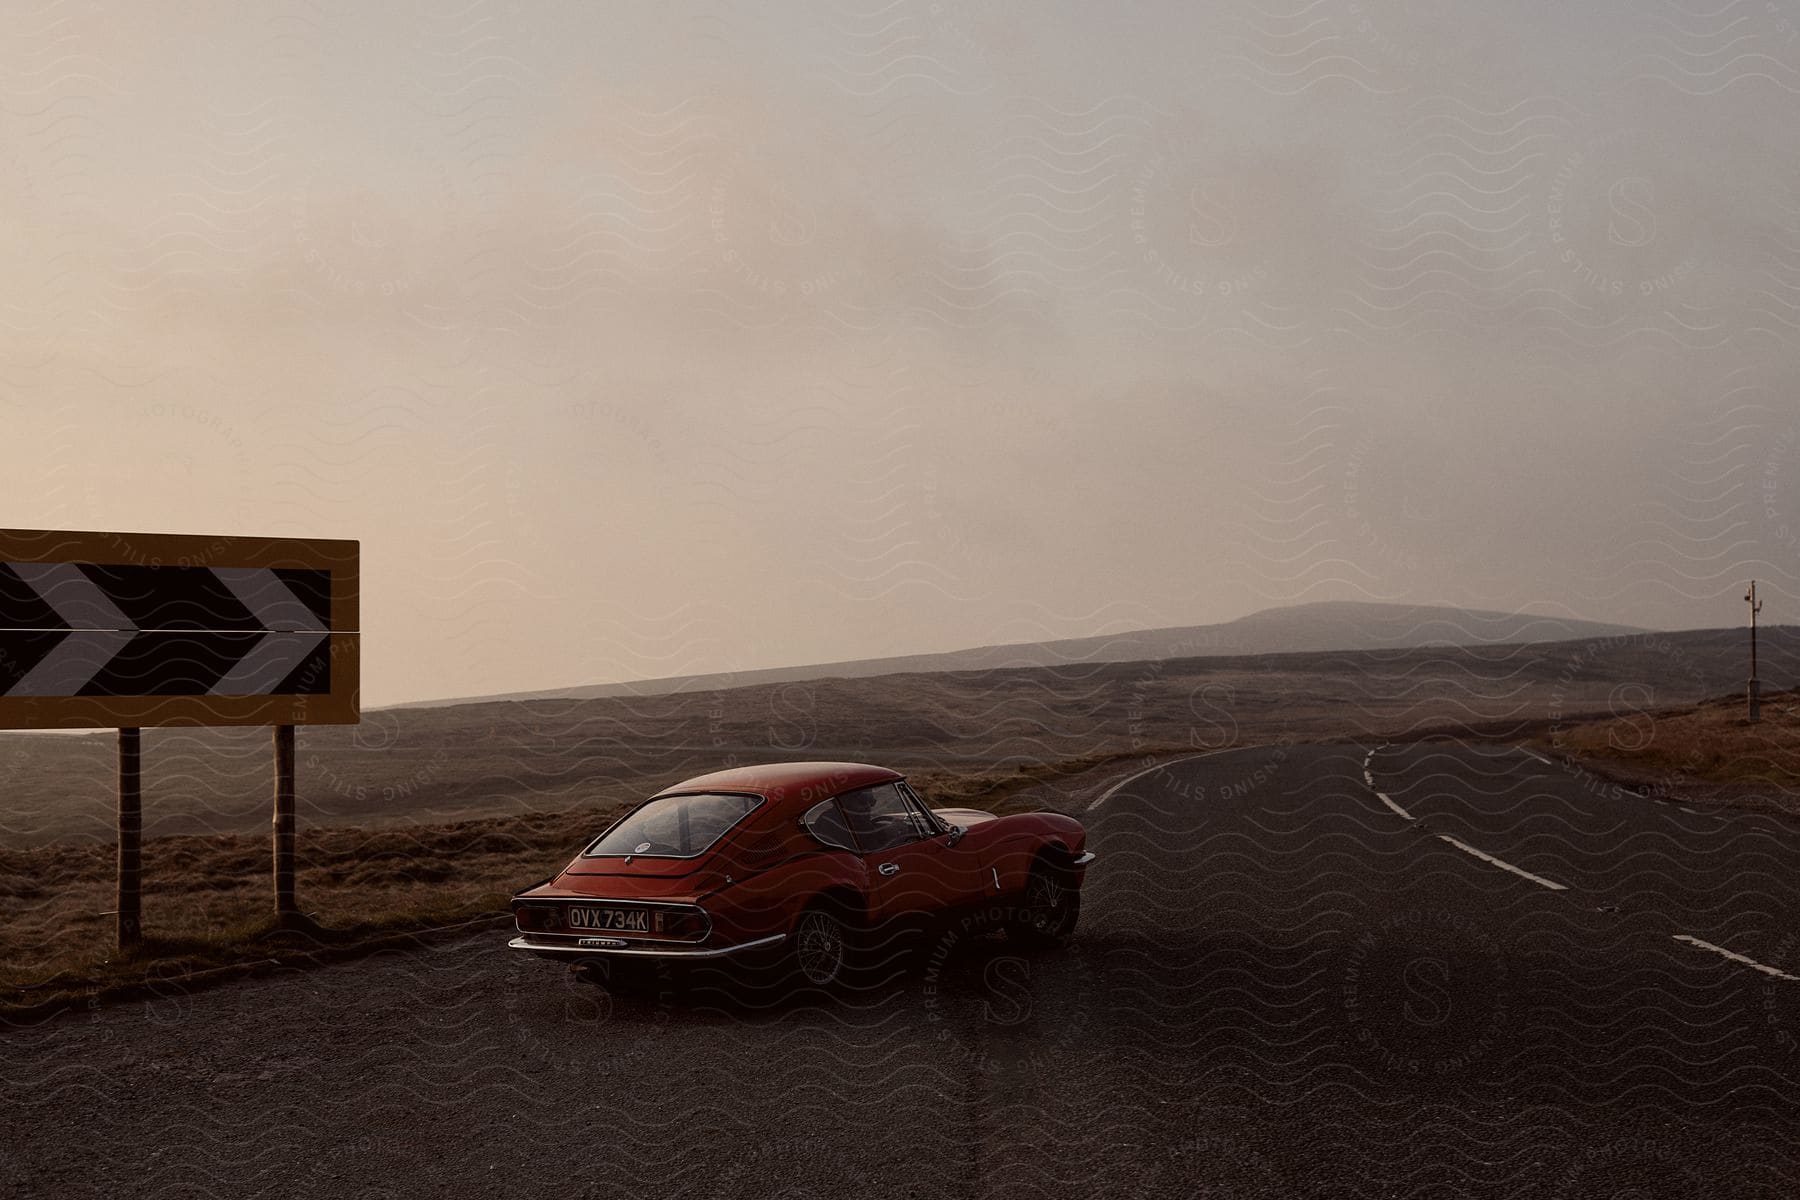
x=1736 y=958
x=1688 y=939
x=1504 y=866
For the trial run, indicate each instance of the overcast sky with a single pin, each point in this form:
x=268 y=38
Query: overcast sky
x=646 y=339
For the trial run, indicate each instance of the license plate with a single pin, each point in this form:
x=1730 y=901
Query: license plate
x=631 y=920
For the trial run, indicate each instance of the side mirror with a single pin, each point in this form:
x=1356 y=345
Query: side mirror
x=956 y=835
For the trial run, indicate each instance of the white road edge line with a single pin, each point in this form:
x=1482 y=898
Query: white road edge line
x=1736 y=958
x=1108 y=793
x=1383 y=796
x=1504 y=866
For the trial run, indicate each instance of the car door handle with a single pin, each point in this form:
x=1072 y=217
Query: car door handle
x=889 y=868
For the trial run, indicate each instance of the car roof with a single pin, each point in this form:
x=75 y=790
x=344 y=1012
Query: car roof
x=777 y=781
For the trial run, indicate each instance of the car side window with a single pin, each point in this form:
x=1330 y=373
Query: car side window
x=826 y=823
x=929 y=826
x=881 y=817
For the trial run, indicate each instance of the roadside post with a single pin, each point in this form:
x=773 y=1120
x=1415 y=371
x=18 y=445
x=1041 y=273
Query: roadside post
x=1755 y=683
x=144 y=630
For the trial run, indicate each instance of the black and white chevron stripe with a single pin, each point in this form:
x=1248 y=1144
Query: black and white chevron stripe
x=103 y=596
x=86 y=629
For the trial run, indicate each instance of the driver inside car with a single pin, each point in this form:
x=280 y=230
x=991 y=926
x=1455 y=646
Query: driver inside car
x=878 y=817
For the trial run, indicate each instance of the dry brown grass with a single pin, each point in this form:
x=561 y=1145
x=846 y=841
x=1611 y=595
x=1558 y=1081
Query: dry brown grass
x=207 y=898
x=1711 y=745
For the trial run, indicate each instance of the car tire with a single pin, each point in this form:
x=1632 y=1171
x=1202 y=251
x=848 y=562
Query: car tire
x=1048 y=910
x=821 y=949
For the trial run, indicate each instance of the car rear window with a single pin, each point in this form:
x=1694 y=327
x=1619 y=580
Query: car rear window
x=826 y=823
x=675 y=826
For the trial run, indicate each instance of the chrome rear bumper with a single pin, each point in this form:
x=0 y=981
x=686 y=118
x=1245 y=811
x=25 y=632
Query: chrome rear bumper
x=620 y=948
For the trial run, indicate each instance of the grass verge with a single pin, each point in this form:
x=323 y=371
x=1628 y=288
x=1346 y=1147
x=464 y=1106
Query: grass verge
x=1708 y=752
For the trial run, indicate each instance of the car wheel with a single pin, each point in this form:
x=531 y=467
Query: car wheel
x=1049 y=910
x=821 y=951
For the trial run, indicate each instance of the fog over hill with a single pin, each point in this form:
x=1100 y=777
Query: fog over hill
x=1325 y=625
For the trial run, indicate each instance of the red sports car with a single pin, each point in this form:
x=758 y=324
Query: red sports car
x=805 y=862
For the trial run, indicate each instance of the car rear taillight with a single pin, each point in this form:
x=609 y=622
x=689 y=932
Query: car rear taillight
x=535 y=918
x=680 y=923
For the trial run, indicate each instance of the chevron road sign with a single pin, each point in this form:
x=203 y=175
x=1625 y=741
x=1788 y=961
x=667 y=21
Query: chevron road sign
x=135 y=629
x=128 y=630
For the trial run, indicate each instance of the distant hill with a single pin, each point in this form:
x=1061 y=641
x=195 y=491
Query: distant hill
x=454 y=762
x=1310 y=628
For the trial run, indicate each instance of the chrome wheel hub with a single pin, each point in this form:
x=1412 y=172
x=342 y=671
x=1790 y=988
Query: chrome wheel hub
x=821 y=948
x=1046 y=902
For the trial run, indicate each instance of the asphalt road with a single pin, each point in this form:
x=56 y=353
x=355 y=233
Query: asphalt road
x=1291 y=980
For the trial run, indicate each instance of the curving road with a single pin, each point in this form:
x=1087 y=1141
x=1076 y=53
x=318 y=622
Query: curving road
x=1426 y=970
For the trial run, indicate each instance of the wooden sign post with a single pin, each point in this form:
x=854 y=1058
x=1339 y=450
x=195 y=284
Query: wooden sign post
x=285 y=908
x=131 y=836
x=136 y=630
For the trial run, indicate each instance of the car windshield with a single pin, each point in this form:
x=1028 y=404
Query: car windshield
x=675 y=826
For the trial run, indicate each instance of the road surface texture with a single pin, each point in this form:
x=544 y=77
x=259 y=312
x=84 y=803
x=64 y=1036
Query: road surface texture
x=1428 y=970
